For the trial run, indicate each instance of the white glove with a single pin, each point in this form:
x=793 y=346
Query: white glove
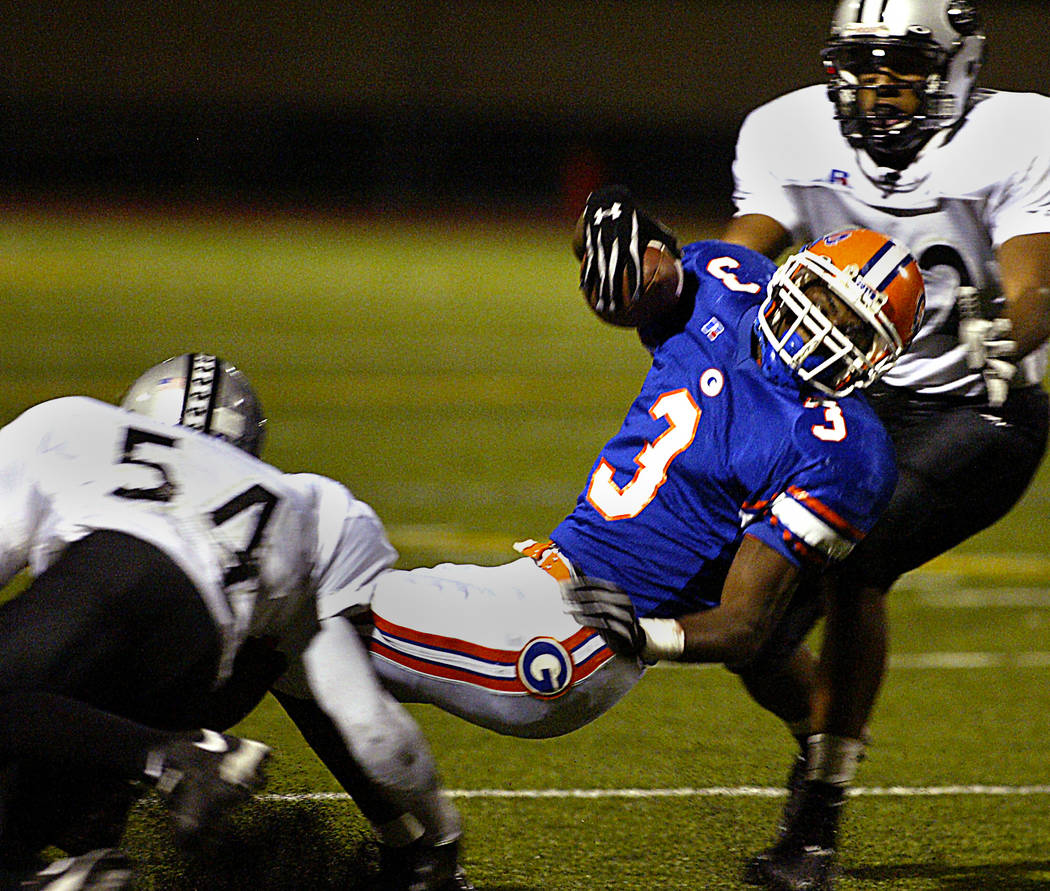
x=989 y=349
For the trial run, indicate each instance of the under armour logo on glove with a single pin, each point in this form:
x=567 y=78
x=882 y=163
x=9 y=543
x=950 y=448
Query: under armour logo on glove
x=613 y=213
x=615 y=235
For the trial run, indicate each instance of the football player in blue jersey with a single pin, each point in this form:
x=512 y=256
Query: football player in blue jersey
x=744 y=439
x=745 y=462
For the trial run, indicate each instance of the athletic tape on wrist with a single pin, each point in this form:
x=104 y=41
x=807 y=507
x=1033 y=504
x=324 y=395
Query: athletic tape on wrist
x=664 y=639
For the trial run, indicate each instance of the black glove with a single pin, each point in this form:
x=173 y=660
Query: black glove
x=615 y=234
x=608 y=609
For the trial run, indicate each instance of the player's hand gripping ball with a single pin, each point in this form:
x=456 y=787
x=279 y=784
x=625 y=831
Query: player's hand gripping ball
x=630 y=271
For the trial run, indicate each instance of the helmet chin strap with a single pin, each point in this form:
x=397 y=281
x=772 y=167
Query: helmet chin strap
x=896 y=159
x=890 y=176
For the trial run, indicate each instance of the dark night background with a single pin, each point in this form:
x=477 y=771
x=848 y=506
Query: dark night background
x=407 y=105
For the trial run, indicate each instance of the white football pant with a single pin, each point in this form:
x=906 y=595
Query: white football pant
x=495 y=646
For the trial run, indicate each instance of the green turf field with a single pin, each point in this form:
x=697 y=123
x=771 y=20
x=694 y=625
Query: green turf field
x=450 y=374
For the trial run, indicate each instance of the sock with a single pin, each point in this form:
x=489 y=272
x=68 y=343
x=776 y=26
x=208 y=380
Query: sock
x=833 y=759
x=405 y=830
x=441 y=821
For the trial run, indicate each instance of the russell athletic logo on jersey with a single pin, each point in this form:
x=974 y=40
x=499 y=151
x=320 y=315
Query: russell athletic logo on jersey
x=712 y=328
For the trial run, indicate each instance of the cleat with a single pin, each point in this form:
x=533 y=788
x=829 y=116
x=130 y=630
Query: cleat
x=803 y=857
x=458 y=882
x=755 y=867
x=107 y=869
x=202 y=779
x=422 y=867
x=809 y=868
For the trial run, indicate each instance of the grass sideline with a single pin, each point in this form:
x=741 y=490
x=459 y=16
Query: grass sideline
x=448 y=372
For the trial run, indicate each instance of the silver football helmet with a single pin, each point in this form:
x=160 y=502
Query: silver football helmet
x=203 y=392
x=938 y=42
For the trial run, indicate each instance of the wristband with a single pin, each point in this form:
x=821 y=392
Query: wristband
x=664 y=639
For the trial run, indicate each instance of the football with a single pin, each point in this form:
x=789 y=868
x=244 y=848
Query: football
x=662 y=279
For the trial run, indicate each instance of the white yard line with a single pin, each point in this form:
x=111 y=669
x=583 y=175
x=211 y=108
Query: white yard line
x=1036 y=659
x=948 y=596
x=1021 y=569
x=701 y=792
x=921 y=661
x=953 y=563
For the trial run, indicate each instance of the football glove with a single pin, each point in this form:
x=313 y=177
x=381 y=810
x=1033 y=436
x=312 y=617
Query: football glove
x=989 y=346
x=608 y=609
x=614 y=236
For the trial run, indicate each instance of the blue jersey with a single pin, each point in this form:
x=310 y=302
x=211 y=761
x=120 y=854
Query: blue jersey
x=715 y=448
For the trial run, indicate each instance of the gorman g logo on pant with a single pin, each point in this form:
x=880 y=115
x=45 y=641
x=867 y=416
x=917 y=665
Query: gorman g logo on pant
x=545 y=668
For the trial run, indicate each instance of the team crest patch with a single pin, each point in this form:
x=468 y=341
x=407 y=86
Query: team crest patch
x=545 y=668
x=711 y=382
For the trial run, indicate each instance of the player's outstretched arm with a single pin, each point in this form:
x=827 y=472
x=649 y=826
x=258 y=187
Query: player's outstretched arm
x=755 y=594
x=758 y=232
x=1024 y=268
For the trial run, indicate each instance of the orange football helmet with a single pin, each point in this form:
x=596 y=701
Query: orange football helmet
x=849 y=330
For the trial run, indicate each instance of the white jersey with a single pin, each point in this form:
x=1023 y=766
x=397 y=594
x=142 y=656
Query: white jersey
x=266 y=549
x=952 y=207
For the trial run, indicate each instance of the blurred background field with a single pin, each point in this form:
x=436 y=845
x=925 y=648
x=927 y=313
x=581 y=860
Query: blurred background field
x=449 y=372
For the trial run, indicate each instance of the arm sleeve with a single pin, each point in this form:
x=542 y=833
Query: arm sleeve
x=805 y=529
x=1022 y=205
x=352 y=548
x=756 y=186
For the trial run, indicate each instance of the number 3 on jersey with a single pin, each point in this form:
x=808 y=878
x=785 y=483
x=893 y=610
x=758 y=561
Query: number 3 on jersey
x=614 y=502
x=834 y=427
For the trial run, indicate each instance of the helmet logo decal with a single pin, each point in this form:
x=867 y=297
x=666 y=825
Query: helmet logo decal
x=836 y=237
x=200 y=392
x=545 y=668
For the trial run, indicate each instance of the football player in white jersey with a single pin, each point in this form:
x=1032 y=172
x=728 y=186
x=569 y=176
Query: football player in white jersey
x=165 y=559
x=907 y=145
